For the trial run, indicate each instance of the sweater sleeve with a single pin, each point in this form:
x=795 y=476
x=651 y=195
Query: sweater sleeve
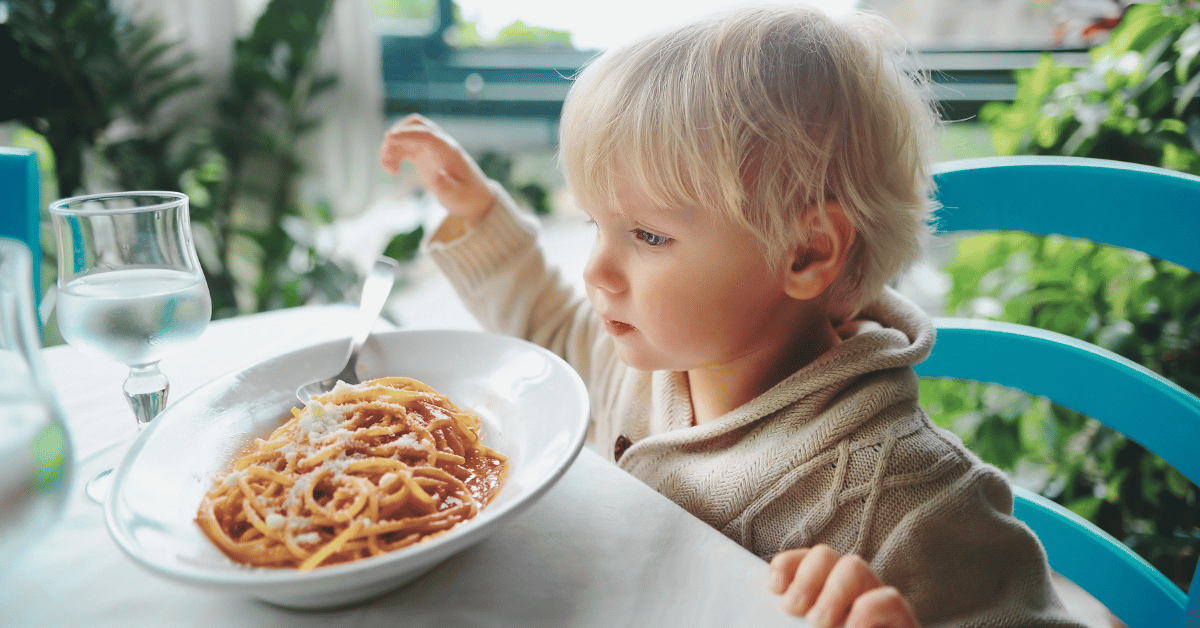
x=962 y=561
x=502 y=277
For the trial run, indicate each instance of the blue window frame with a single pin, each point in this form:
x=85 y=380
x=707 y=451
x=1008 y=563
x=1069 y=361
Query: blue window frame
x=425 y=74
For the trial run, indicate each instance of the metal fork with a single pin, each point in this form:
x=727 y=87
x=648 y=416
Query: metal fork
x=376 y=288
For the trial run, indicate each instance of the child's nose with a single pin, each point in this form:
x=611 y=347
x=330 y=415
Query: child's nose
x=601 y=271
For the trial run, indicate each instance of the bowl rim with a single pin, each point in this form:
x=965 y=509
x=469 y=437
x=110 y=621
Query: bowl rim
x=458 y=538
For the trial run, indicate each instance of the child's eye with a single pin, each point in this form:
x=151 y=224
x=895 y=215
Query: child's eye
x=651 y=239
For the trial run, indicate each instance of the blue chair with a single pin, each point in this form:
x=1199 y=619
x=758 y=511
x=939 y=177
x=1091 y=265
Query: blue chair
x=20 y=204
x=1152 y=210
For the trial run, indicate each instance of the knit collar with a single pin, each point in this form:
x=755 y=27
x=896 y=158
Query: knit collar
x=903 y=338
x=725 y=471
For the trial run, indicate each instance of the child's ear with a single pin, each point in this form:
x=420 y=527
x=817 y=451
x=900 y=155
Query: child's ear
x=817 y=262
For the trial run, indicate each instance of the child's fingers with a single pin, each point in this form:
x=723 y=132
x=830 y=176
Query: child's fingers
x=443 y=166
x=417 y=139
x=783 y=569
x=436 y=156
x=412 y=143
x=413 y=122
x=882 y=607
x=809 y=580
x=848 y=578
x=418 y=130
x=412 y=118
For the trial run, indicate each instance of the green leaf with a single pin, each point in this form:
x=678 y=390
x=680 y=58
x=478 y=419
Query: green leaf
x=1186 y=94
x=1188 y=46
x=1193 y=132
x=1152 y=55
x=1085 y=507
x=1115 y=480
x=1150 y=487
x=1178 y=158
x=323 y=84
x=1035 y=427
x=1155 y=93
x=997 y=442
x=1047 y=130
x=520 y=33
x=404 y=246
x=1176 y=482
x=1141 y=27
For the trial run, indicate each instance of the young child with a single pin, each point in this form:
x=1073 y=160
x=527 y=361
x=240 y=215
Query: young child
x=755 y=179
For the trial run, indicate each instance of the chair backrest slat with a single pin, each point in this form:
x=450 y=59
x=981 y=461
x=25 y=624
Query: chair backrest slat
x=1078 y=375
x=1137 y=599
x=1147 y=209
x=20 y=205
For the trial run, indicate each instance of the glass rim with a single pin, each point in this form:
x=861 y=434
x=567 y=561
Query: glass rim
x=169 y=199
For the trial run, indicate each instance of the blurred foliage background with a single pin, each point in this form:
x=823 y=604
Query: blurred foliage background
x=1135 y=102
x=110 y=104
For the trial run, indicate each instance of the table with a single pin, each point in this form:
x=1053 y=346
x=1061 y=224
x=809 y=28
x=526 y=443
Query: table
x=600 y=549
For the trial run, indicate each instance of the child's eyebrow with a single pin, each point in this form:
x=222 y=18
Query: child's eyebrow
x=593 y=206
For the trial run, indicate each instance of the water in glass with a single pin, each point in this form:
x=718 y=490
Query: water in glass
x=133 y=316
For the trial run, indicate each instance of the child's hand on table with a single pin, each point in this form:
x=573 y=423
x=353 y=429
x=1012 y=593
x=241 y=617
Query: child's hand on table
x=829 y=589
x=444 y=167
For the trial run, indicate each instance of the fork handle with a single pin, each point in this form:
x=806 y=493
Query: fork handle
x=376 y=289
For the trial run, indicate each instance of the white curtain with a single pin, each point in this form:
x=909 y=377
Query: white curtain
x=343 y=152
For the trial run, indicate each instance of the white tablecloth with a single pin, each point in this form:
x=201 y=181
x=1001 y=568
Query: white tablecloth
x=600 y=549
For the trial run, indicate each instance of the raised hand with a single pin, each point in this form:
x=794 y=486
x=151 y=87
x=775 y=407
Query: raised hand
x=444 y=167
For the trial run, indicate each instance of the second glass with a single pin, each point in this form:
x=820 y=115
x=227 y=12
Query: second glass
x=33 y=439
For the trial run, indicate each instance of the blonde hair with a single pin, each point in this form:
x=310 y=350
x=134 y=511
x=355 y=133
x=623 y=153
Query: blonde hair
x=765 y=114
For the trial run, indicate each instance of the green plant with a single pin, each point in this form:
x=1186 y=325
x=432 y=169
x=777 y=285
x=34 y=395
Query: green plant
x=247 y=187
x=100 y=68
x=1134 y=102
x=131 y=103
x=499 y=168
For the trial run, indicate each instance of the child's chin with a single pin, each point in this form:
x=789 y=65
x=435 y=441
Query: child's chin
x=636 y=360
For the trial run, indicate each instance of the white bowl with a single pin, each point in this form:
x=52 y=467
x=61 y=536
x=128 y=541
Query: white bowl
x=534 y=409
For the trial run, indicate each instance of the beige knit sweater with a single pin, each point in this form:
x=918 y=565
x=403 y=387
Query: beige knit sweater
x=839 y=453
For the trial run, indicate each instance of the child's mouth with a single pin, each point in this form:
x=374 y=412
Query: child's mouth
x=617 y=328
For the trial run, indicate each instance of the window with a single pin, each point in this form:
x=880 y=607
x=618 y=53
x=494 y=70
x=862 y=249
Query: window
x=929 y=24
x=595 y=25
x=512 y=57
x=407 y=18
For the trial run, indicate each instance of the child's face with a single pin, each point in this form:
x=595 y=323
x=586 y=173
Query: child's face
x=684 y=289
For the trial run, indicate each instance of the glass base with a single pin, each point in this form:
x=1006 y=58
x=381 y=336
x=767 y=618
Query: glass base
x=146 y=391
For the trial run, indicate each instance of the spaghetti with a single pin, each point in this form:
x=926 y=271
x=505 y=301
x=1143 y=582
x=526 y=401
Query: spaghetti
x=359 y=471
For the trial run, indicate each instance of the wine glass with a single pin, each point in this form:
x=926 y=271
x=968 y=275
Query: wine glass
x=130 y=289
x=33 y=440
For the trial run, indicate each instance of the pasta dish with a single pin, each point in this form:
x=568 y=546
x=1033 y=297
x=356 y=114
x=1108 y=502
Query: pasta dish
x=357 y=472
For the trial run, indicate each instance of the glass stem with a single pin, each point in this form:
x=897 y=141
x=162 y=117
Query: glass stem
x=146 y=389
